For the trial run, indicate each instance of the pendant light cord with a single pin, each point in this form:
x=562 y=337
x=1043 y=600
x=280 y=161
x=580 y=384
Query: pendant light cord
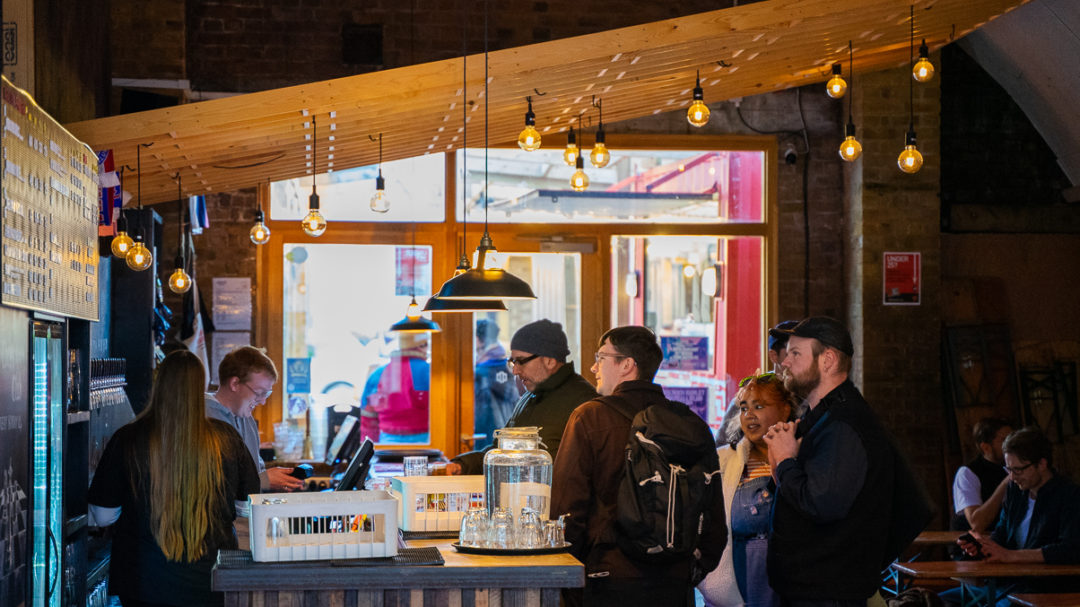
x=851 y=76
x=911 y=63
x=464 y=133
x=486 y=196
x=314 y=152
x=180 y=217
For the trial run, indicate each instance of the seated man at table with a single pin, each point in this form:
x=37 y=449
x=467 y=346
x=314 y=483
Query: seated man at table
x=1040 y=518
x=979 y=486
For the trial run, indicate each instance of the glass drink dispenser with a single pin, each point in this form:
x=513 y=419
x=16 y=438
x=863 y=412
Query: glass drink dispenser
x=517 y=474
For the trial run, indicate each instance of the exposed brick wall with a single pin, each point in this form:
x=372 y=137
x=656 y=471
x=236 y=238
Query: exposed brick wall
x=898 y=347
x=148 y=39
x=250 y=45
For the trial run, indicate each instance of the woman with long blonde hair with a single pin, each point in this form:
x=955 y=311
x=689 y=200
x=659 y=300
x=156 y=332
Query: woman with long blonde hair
x=172 y=481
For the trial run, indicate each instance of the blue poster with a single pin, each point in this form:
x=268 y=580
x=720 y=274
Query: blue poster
x=298 y=375
x=685 y=353
x=695 y=398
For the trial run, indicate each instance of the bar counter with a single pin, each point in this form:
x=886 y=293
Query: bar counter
x=465 y=580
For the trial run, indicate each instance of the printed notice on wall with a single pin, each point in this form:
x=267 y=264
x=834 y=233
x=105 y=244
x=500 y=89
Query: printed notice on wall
x=685 y=352
x=232 y=304
x=902 y=279
x=221 y=343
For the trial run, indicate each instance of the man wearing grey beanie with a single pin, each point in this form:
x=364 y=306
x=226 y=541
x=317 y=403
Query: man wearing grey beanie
x=553 y=389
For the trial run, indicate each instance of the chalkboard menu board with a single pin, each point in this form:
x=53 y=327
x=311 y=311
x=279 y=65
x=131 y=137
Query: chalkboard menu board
x=50 y=213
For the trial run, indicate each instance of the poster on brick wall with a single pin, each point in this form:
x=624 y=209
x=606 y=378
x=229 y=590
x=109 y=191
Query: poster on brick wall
x=902 y=279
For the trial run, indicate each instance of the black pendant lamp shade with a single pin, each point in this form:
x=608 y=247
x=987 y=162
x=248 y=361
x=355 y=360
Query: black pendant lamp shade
x=485 y=284
x=436 y=305
x=415 y=324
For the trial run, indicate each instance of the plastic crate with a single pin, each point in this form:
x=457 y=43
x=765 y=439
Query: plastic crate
x=318 y=526
x=436 y=503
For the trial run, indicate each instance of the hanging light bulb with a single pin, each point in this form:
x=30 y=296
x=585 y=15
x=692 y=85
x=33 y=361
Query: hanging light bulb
x=579 y=181
x=121 y=243
x=260 y=234
x=570 y=154
x=850 y=148
x=923 y=71
x=698 y=113
x=529 y=139
x=314 y=223
x=836 y=87
x=910 y=160
x=708 y=281
x=179 y=281
x=379 y=202
x=138 y=257
x=600 y=156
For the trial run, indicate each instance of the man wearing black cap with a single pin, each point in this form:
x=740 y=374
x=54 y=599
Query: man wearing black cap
x=553 y=389
x=846 y=497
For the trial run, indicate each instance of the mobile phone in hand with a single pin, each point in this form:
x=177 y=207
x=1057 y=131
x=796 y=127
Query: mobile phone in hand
x=979 y=554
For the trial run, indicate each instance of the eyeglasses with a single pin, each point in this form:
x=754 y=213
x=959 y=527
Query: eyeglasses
x=258 y=395
x=763 y=378
x=517 y=362
x=600 y=356
x=1017 y=469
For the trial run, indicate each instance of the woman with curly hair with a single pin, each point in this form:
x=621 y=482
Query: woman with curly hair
x=172 y=481
x=749 y=491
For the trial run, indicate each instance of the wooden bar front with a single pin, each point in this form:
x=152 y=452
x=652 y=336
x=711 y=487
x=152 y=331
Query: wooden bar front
x=465 y=580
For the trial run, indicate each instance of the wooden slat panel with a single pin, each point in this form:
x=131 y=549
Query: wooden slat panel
x=637 y=71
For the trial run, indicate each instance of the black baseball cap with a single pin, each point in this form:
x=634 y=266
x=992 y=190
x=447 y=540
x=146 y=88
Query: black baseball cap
x=830 y=332
x=779 y=334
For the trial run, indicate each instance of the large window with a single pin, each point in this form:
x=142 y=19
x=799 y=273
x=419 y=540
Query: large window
x=677 y=234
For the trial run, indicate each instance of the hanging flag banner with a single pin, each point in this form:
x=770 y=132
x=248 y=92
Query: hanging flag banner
x=902 y=279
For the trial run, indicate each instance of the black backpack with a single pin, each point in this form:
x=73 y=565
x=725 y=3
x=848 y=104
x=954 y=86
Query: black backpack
x=667 y=489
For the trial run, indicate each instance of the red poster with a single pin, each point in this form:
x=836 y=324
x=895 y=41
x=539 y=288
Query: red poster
x=902 y=279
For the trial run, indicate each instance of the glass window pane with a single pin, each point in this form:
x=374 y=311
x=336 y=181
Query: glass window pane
x=415 y=187
x=704 y=298
x=357 y=366
x=555 y=279
x=662 y=186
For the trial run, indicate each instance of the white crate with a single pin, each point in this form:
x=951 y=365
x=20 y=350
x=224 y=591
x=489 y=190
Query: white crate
x=436 y=503
x=327 y=525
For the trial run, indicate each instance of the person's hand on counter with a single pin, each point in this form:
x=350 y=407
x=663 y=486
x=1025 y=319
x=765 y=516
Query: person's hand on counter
x=281 y=480
x=453 y=469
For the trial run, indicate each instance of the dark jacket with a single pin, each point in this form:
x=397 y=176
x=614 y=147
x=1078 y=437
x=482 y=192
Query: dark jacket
x=831 y=521
x=1055 y=522
x=549 y=406
x=586 y=482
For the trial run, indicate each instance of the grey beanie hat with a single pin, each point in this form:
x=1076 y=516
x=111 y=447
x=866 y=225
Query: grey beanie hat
x=544 y=338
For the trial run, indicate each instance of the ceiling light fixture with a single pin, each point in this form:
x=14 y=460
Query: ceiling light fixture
x=836 y=87
x=121 y=243
x=600 y=156
x=260 y=234
x=486 y=281
x=911 y=160
x=923 y=70
x=579 y=181
x=179 y=281
x=850 y=148
x=570 y=154
x=414 y=322
x=139 y=257
x=314 y=223
x=529 y=139
x=698 y=113
x=379 y=202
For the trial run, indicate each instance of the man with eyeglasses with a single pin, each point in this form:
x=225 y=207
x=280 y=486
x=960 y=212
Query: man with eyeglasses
x=1040 y=518
x=246 y=378
x=553 y=389
x=847 y=502
x=587 y=475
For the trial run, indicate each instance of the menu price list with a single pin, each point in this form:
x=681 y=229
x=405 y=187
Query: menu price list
x=50 y=213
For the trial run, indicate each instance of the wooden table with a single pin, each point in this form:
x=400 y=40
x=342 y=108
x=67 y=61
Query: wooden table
x=981 y=582
x=1071 y=599
x=936 y=538
x=464 y=579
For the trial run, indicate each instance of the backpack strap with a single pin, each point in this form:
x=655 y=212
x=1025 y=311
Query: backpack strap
x=621 y=405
